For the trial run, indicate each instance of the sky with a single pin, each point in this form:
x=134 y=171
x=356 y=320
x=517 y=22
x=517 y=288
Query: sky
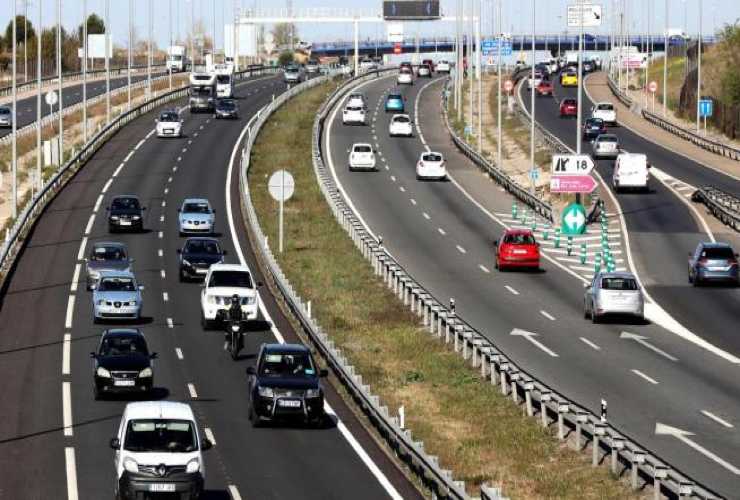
x=517 y=15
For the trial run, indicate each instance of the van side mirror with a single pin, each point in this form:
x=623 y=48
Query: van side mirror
x=153 y=355
x=323 y=372
x=115 y=443
x=251 y=371
x=93 y=355
x=224 y=252
x=206 y=444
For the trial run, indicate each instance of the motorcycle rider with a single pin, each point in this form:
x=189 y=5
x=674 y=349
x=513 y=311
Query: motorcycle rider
x=234 y=314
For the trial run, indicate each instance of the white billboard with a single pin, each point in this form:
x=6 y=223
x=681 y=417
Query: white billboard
x=394 y=32
x=247 y=42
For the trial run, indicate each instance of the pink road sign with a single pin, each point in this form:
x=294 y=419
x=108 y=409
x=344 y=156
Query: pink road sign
x=653 y=86
x=572 y=184
x=508 y=85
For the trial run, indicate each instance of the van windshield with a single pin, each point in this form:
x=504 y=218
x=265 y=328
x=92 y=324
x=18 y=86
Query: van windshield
x=160 y=436
x=605 y=107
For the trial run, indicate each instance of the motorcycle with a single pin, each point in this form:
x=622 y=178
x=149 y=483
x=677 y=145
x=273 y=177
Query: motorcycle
x=235 y=332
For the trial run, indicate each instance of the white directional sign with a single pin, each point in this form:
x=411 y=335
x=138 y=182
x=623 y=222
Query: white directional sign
x=51 y=98
x=571 y=165
x=586 y=15
x=281 y=185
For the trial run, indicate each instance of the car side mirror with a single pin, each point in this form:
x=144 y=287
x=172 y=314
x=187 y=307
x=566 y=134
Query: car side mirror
x=225 y=252
x=179 y=210
x=348 y=150
x=323 y=372
x=260 y=284
x=141 y=288
x=156 y=121
x=495 y=243
x=115 y=443
x=251 y=371
x=178 y=250
x=153 y=355
x=93 y=355
x=206 y=444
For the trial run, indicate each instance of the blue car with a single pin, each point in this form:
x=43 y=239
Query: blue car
x=394 y=103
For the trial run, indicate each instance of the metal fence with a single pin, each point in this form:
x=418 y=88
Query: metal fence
x=724 y=206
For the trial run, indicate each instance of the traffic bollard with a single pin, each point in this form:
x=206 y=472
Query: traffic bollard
x=557 y=237
x=570 y=245
x=513 y=210
x=546 y=231
x=583 y=253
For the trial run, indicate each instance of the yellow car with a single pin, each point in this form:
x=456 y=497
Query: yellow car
x=569 y=79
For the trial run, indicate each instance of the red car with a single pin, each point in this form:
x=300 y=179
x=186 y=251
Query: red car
x=517 y=248
x=568 y=107
x=544 y=88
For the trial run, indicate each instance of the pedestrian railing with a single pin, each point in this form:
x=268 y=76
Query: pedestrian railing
x=724 y=206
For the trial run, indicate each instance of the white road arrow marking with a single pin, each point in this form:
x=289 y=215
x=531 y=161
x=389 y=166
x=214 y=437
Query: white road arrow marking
x=643 y=340
x=683 y=436
x=531 y=337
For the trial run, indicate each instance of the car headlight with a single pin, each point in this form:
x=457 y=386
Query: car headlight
x=132 y=302
x=101 y=302
x=193 y=466
x=145 y=373
x=102 y=372
x=136 y=217
x=130 y=465
x=114 y=217
x=313 y=393
x=265 y=392
x=211 y=300
x=186 y=262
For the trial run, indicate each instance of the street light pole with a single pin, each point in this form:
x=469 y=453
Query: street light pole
x=665 y=61
x=38 y=101
x=25 y=40
x=498 y=84
x=480 y=77
x=698 y=69
x=14 y=160
x=149 y=51
x=169 y=47
x=130 y=42
x=59 y=78
x=107 y=61
x=531 y=91
x=84 y=70
x=580 y=79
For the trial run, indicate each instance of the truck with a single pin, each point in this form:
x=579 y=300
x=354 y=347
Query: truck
x=224 y=80
x=177 y=58
x=202 y=92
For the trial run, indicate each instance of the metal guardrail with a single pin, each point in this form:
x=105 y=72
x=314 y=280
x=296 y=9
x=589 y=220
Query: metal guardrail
x=710 y=145
x=724 y=206
x=443 y=323
x=16 y=234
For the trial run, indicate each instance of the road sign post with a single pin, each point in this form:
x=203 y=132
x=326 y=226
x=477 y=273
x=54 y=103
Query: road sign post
x=281 y=187
x=653 y=88
x=573 y=220
x=706 y=108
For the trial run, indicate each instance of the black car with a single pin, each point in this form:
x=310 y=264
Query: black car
x=593 y=127
x=285 y=384
x=226 y=108
x=197 y=255
x=125 y=213
x=122 y=363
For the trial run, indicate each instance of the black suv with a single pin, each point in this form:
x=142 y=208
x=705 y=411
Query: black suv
x=197 y=255
x=125 y=213
x=226 y=108
x=122 y=363
x=285 y=384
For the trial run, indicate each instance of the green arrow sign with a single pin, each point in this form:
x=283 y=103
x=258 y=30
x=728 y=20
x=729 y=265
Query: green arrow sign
x=573 y=220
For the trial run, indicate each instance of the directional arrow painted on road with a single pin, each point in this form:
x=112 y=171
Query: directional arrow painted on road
x=531 y=337
x=683 y=436
x=644 y=341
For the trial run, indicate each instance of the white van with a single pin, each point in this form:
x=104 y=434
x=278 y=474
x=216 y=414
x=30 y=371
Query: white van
x=158 y=450
x=631 y=170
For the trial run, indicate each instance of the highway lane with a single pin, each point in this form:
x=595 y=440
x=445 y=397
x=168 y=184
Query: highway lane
x=72 y=94
x=662 y=228
x=444 y=239
x=192 y=366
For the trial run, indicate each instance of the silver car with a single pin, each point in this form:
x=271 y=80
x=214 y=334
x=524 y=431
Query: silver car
x=605 y=146
x=106 y=256
x=613 y=294
x=6 y=116
x=196 y=217
x=116 y=296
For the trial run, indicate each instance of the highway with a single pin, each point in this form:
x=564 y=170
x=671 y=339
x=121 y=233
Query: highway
x=442 y=233
x=57 y=432
x=662 y=228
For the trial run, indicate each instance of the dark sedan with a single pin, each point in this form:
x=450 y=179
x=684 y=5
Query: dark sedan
x=226 y=108
x=713 y=262
x=197 y=255
x=122 y=363
x=593 y=127
x=125 y=213
x=285 y=385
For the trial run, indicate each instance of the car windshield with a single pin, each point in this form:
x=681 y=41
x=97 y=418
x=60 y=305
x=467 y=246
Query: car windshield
x=117 y=285
x=160 y=436
x=125 y=204
x=394 y=97
x=628 y=284
x=103 y=253
x=519 y=239
x=401 y=119
x=433 y=157
x=363 y=149
x=4 y=111
x=237 y=279
x=569 y=102
x=226 y=105
x=595 y=122
x=405 y=71
x=223 y=78
x=287 y=364
x=354 y=108
x=196 y=208
x=718 y=253
x=605 y=107
x=202 y=246
x=123 y=345
x=607 y=138
x=169 y=116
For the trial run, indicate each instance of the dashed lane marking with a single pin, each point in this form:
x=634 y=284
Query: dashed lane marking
x=67 y=409
x=645 y=377
x=70 y=312
x=510 y=289
x=547 y=315
x=165 y=296
x=75 y=278
x=170 y=324
x=192 y=391
x=460 y=249
x=426 y=216
x=441 y=231
x=484 y=269
x=178 y=353
x=209 y=434
x=717 y=419
x=71 y=468
x=66 y=345
x=590 y=344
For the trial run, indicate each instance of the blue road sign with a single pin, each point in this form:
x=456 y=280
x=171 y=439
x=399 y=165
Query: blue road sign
x=490 y=47
x=706 y=108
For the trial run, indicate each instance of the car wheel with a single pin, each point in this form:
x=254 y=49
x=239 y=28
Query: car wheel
x=96 y=393
x=204 y=323
x=96 y=320
x=691 y=280
x=594 y=317
x=183 y=278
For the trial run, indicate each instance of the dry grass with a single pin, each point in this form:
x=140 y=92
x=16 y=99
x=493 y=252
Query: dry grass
x=475 y=431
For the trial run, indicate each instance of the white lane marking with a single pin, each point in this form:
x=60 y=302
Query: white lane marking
x=664 y=178
x=192 y=391
x=184 y=150
x=70 y=312
x=387 y=167
x=179 y=158
x=416 y=114
x=65 y=353
x=164 y=203
x=514 y=292
x=530 y=336
x=75 y=278
x=547 y=315
x=165 y=296
x=233 y=491
x=70 y=466
x=117 y=170
x=106 y=186
x=589 y=343
x=413 y=201
x=393 y=178
x=402 y=189
x=151 y=133
x=130 y=154
x=426 y=216
x=99 y=201
x=81 y=251
x=484 y=269
x=167 y=190
x=170 y=324
x=460 y=249
x=190 y=141
x=683 y=436
x=139 y=144
x=161 y=218
x=169 y=179
x=717 y=419
x=356 y=446
x=178 y=353
x=161 y=235
x=67 y=408
x=643 y=340
x=208 y=432
x=160 y=253
x=441 y=231
x=642 y=375
x=161 y=273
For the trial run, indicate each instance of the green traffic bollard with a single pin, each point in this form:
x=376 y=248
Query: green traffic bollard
x=583 y=253
x=513 y=210
x=597 y=263
x=534 y=223
x=546 y=231
x=557 y=237
x=570 y=245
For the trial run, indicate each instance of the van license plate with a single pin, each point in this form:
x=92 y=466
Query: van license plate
x=160 y=487
x=289 y=403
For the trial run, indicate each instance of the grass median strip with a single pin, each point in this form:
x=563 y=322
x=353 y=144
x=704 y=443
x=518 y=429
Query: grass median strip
x=475 y=431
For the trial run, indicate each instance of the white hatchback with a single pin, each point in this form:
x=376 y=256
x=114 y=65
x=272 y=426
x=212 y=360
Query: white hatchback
x=169 y=124
x=605 y=146
x=431 y=165
x=605 y=111
x=400 y=125
x=442 y=67
x=405 y=77
x=361 y=157
x=352 y=115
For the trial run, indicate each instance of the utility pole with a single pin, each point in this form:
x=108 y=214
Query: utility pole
x=470 y=61
x=38 y=102
x=59 y=78
x=14 y=160
x=647 y=65
x=192 y=34
x=213 y=42
x=169 y=47
x=458 y=63
x=25 y=40
x=84 y=69
x=532 y=166
x=107 y=60
x=580 y=78
x=149 y=52
x=499 y=158
x=698 y=70
x=130 y=46
x=665 y=62
x=480 y=78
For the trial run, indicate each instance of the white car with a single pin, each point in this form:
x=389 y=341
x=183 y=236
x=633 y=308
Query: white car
x=196 y=216
x=400 y=125
x=6 y=116
x=169 y=124
x=534 y=82
x=553 y=66
x=361 y=157
x=442 y=67
x=605 y=111
x=222 y=282
x=405 y=77
x=355 y=100
x=354 y=115
x=431 y=165
x=423 y=70
x=158 y=448
x=631 y=170
x=605 y=146
x=368 y=65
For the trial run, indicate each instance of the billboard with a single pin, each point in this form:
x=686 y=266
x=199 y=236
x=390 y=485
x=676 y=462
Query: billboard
x=411 y=10
x=247 y=42
x=394 y=32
